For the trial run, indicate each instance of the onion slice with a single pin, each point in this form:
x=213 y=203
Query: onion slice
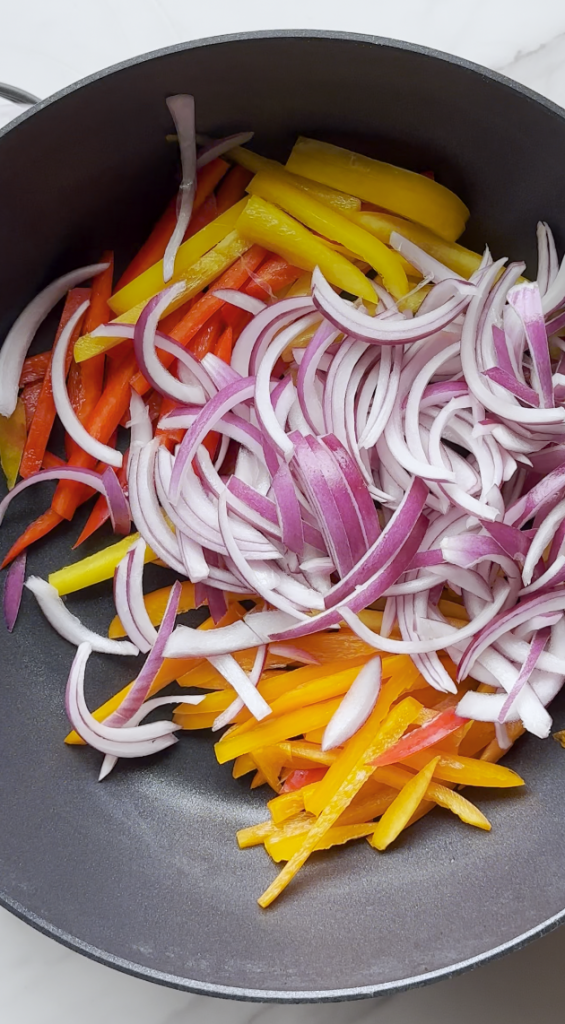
x=181 y=108
x=105 y=483
x=355 y=707
x=13 y=590
x=22 y=333
x=68 y=625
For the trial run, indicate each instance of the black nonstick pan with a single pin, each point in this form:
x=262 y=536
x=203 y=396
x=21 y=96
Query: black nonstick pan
x=143 y=872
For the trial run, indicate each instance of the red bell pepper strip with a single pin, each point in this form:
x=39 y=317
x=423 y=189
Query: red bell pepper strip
x=30 y=397
x=301 y=777
x=34 y=368
x=224 y=345
x=419 y=739
x=44 y=416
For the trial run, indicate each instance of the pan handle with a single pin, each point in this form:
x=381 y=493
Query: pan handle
x=15 y=95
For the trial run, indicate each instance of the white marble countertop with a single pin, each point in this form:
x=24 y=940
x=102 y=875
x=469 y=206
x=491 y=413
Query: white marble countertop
x=47 y=45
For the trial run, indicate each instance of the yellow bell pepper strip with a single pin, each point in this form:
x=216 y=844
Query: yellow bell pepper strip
x=13 y=436
x=151 y=281
x=96 y=568
x=274 y=730
x=193 y=722
x=560 y=737
x=258 y=780
x=270 y=762
x=255 y=835
x=370 y=803
x=411 y=195
x=465 y=771
x=195 y=278
x=242 y=766
x=494 y=752
x=302 y=286
x=267 y=225
x=334 y=226
x=459 y=259
x=478 y=737
x=393 y=775
x=328 y=196
x=286 y=805
x=387 y=733
x=285 y=847
x=299 y=754
x=390 y=692
x=397 y=816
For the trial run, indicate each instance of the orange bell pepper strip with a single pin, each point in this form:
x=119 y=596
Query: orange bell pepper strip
x=44 y=416
x=205 y=339
x=92 y=371
x=233 y=187
x=204 y=216
x=385 y=730
x=466 y=771
x=154 y=248
x=397 y=816
x=205 y=307
x=224 y=345
x=281 y=728
x=34 y=368
x=51 y=461
x=444 y=796
x=102 y=422
x=30 y=396
x=101 y=512
x=35 y=531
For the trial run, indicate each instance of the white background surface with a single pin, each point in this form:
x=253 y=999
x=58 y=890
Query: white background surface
x=47 y=44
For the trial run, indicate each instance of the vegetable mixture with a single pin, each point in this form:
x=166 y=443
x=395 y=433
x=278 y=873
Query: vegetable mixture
x=344 y=434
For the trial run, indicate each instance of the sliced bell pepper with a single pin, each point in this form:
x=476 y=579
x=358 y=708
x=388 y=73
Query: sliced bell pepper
x=35 y=531
x=384 y=733
x=267 y=225
x=45 y=412
x=332 y=225
x=12 y=442
x=151 y=281
x=255 y=835
x=301 y=777
x=242 y=766
x=411 y=195
x=328 y=196
x=285 y=847
x=397 y=816
x=440 y=726
x=198 y=276
x=34 y=368
x=444 y=796
x=30 y=397
x=275 y=730
x=467 y=771
x=95 y=568
x=459 y=259
x=232 y=188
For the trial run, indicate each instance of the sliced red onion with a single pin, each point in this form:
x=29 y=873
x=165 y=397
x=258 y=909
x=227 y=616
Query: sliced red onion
x=141 y=688
x=218 y=406
x=217 y=147
x=65 y=411
x=421 y=260
x=385 y=547
x=307 y=375
x=526 y=300
x=247 y=302
x=237 y=705
x=263 y=404
x=22 y=332
x=233 y=673
x=146 y=511
x=68 y=625
x=220 y=373
x=129 y=601
x=515 y=387
x=139 y=422
x=181 y=108
x=293 y=653
x=136 y=742
x=548 y=262
x=539 y=640
x=288 y=509
x=544 y=535
x=105 y=483
x=270 y=319
x=110 y=760
x=13 y=590
x=352 y=321
x=539 y=499
x=355 y=707
x=507 y=621
x=217 y=603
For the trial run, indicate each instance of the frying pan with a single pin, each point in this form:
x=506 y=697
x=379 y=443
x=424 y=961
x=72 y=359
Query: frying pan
x=143 y=872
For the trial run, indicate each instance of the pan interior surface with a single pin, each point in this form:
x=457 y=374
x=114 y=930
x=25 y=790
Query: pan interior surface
x=143 y=872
